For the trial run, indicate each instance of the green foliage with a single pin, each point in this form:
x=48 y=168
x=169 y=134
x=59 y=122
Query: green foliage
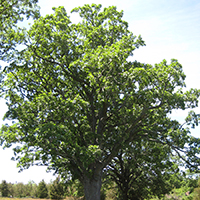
x=20 y=190
x=135 y=174
x=42 y=191
x=111 y=191
x=74 y=189
x=11 y=190
x=184 y=189
x=30 y=189
x=11 y=12
x=56 y=189
x=197 y=191
x=4 y=189
x=75 y=99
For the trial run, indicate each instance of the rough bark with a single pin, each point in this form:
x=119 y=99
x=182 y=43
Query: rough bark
x=92 y=186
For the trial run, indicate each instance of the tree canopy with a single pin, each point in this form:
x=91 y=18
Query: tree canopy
x=143 y=171
x=11 y=12
x=76 y=99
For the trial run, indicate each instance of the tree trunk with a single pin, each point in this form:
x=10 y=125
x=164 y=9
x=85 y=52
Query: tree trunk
x=92 y=186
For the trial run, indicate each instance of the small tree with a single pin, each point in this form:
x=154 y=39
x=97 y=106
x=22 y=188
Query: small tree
x=42 y=191
x=56 y=189
x=4 y=189
x=20 y=190
x=29 y=188
x=11 y=189
x=34 y=190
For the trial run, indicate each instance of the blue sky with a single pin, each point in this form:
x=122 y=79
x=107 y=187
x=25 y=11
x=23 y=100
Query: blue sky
x=171 y=29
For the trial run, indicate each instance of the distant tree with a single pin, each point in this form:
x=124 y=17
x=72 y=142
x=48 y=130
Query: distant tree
x=11 y=189
x=74 y=188
x=20 y=190
x=56 y=189
x=29 y=187
x=42 y=191
x=34 y=190
x=4 y=189
x=33 y=187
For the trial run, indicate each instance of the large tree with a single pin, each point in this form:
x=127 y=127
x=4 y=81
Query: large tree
x=76 y=99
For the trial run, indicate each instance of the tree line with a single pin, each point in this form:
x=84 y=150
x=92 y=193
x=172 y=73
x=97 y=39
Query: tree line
x=183 y=187
x=80 y=106
x=53 y=190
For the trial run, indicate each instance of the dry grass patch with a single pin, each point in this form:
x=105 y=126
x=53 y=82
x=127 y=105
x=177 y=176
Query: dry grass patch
x=67 y=198
x=7 y=198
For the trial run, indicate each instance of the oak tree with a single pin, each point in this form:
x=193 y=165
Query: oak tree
x=76 y=99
